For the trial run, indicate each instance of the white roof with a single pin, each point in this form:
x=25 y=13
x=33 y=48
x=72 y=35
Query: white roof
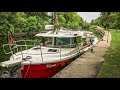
x=56 y=35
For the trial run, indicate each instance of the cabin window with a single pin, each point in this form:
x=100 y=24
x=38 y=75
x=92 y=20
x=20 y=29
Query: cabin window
x=65 y=42
x=46 y=41
x=62 y=41
x=56 y=42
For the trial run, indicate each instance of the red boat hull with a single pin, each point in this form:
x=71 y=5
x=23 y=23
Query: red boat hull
x=44 y=70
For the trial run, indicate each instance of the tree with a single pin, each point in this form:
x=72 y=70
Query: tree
x=5 y=24
x=29 y=21
x=32 y=23
x=108 y=20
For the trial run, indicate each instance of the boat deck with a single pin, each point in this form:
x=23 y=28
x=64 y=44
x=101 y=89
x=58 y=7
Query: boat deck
x=36 y=58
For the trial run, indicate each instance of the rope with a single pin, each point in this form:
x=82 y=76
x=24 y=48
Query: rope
x=27 y=69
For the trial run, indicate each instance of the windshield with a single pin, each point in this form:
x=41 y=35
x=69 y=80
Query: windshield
x=64 y=41
x=56 y=42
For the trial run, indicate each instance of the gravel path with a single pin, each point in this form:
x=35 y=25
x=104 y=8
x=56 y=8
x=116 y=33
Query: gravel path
x=88 y=64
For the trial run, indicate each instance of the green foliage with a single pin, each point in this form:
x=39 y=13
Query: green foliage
x=70 y=20
x=92 y=27
x=32 y=23
x=108 y=20
x=36 y=21
x=85 y=26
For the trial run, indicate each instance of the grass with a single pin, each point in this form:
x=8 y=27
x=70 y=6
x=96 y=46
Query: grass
x=111 y=66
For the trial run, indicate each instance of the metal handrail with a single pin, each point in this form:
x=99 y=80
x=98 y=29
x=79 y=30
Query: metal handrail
x=25 y=41
x=60 y=52
x=17 y=45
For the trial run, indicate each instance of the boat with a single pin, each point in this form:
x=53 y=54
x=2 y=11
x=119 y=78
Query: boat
x=54 y=51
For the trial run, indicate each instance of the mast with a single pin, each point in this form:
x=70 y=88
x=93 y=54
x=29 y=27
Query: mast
x=53 y=22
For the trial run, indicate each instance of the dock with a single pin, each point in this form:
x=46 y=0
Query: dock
x=88 y=64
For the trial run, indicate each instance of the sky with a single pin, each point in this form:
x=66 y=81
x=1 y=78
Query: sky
x=88 y=16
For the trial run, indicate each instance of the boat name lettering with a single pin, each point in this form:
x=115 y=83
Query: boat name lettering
x=50 y=65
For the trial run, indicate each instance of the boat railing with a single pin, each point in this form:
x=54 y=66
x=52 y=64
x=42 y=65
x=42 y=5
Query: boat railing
x=78 y=47
x=18 y=46
x=24 y=43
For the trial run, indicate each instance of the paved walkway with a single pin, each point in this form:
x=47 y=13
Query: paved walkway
x=88 y=64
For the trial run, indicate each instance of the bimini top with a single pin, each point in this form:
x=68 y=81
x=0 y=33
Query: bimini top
x=58 y=34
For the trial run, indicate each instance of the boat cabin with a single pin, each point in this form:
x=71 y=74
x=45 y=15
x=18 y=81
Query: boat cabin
x=59 y=40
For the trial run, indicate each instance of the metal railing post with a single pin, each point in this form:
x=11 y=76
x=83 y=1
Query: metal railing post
x=11 y=51
x=60 y=52
x=41 y=52
x=21 y=53
x=70 y=44
x=25 y=45
x=16 y=46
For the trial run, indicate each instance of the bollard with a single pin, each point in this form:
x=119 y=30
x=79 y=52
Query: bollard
x=91 y=50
